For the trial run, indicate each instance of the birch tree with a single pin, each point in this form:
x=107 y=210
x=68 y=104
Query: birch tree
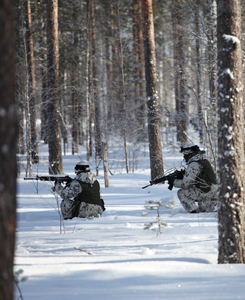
x=231 y=133
x=155 y=147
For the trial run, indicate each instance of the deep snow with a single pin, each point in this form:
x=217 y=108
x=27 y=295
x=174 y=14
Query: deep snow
x=113 y=257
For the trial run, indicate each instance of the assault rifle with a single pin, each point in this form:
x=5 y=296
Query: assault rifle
x=56 y=178
x=169 y=177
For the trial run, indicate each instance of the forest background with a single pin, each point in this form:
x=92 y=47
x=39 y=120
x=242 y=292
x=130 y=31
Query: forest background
x=98 y=85
x=79 y=70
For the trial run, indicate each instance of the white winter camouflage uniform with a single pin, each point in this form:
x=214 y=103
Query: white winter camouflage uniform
x=86 y=210
x=189 y=194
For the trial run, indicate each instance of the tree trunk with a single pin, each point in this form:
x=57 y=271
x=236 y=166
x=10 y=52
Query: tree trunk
x=43 y=60
x=31 y=81
x=176 y=70
x=139 y=65
x=198 y=72
x=19 y=101
x=155 y=147
x=74 y=96
x=113 y=115
x=89 y=83
x=97 y=117
x=123 y=92
x=53 y=118
x=231 y=133
x=8 y=138
x=180 y=72
x=212 y=50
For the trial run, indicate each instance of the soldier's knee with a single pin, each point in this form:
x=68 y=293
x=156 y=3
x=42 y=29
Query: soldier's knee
x=180 y=193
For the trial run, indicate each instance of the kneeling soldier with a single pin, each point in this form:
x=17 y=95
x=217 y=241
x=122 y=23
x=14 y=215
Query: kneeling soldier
x=199 y=183
x=81 y=198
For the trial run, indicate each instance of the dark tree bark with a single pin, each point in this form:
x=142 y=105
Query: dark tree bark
x=112 y=70
x=231 y=133
x=123 y=91
x=139 y=65
x=212 y=44
x=8 y=139
x=18 y=90
x=89 y=96
x=198 y=71
x=31 y=82
x=108 y=62
x=43 y=59
x=19 y=79
x=180 y=72
x=155 y=147
x=97 y=115
x=53 y=118
x=74 y=96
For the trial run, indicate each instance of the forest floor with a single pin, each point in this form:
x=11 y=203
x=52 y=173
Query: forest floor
x=113 y=257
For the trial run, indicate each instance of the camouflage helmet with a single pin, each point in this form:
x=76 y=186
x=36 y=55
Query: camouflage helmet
x=189 y=151
x=189 y=148
x=82 y=166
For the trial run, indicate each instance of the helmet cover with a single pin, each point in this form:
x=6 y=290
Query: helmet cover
x=82 y=166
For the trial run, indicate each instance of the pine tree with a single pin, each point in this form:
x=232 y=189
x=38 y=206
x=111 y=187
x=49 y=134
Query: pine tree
x=180 y=71
x=231 y=133
x=53 y=118
x=152 y=91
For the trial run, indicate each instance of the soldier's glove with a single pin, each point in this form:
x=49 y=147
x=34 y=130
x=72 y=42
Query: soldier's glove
x=56 y=186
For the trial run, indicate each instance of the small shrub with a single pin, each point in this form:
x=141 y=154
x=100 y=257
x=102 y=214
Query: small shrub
x=156 y=205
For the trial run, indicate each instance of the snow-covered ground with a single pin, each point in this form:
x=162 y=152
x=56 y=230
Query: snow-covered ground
x=113 y=257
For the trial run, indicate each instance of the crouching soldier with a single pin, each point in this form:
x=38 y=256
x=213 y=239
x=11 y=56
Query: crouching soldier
x=199 y=185
x=81 y=198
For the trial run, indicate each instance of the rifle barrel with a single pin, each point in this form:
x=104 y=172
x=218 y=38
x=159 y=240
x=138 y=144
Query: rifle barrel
x=61 y=178
x=146 y=186
x=30 y=178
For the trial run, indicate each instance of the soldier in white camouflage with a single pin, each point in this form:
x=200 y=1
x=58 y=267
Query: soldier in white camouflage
x=81 y=198
x=198 y=189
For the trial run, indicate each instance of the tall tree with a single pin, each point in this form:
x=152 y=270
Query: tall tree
x=8 y=138
x=53 y=118
x=180 y=71
x=212 y=47
x=97 y=114
x=74 y=96
x=19 y=77
x=198 y=71
x=31 y=82
x=155 y=147
x=123 y=90
x=231 y=133
x=89 y=94
x=43 y=59
x=139 y=64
